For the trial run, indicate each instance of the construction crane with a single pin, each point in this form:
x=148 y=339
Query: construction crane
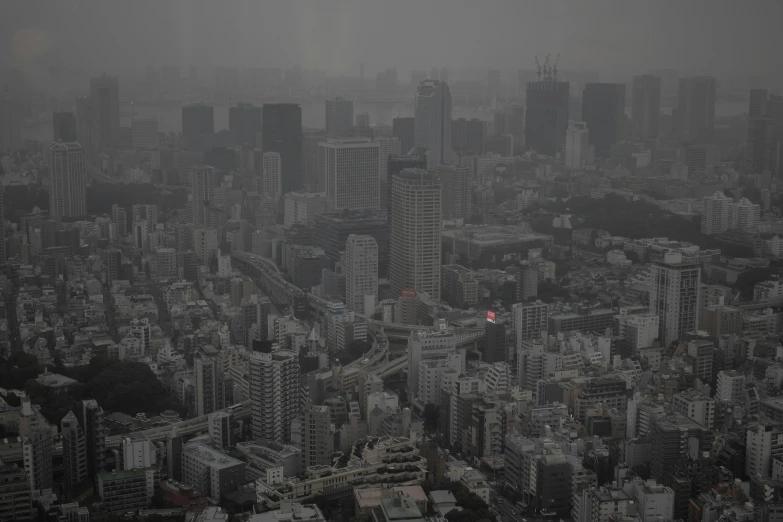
x=554 y=69
x=547 y=69
x=538 y=66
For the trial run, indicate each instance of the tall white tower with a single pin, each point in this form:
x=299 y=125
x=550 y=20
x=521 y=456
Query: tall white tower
x=350 y=168
x=274 y=391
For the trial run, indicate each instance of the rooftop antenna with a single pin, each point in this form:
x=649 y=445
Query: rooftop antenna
x=554 y=69
x=538 y=66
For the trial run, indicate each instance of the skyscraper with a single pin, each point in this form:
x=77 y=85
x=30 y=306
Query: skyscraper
x=603 y=109
x=37 y=455
x=147 y=213
x=64 y=126
x=271 y=172
x=3 y=252
x=715 y=214
x=197 y=119
x=246 y=120
x=144 y=133
x=92 y=421
x=696 y=108
x=339 y=117
x=468 y=135
x=404 y=129
x=208 y=381
x=360 y=264
x=203 y=182
x=274 y=391
x=68 y=189
x=74 y=452
x=318 y=440
x=415 y=232
x=646 y=106
x=387 y=147
x=757 y=105
x=84 y=134
x=119 y=218
x=456 y=193
x=577 y=148
x=675 y=288
x=350 y=168
x=433 y=122
x=546 y=116
x=105 y=110
x=113 y=265
x=283 y=134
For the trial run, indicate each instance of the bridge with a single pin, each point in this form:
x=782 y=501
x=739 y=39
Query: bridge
x=760 y=305
x=192 y=426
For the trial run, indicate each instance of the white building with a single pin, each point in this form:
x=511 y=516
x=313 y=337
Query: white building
x=138 y=453
x=360 y=264
x=761 y=444
x=224 y=264
x=300 y=207
x=675 y=288
x=68 y=189
x=577 y=149
x=271 y=183
x=641 y=330
x=744 y=215
x=274 y=392
x=696 y=406
x=654 y=502
x=529 y=320
x=432 y=128
x=617 y=258
x=205 y=243
x=350 y=169
x=423 y=345
x=730 y=387
x=715 y=215
x=211 y=472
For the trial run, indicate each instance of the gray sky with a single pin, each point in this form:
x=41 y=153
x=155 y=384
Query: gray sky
x=615 y=37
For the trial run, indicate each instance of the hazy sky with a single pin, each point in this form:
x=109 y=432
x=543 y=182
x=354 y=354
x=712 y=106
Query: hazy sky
x=615 y=37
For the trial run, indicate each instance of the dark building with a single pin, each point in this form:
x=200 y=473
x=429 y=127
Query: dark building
x=331 y=230
x=757 y=105
x=671 y=441
x=197 y=120
x=339 y=117
x=603 y=109
x=95 y=437
x=64 y=126
x=403 y=130
x=283 y=134
x=467 y=136
x=695 y=119
x=546 y=116
x=495 y=339
x=553 y=491
x=646 y=106
x=502 y=145
x=246 y=121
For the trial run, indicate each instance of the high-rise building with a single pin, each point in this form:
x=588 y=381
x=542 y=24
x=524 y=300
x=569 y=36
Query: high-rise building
x=495 y=339
x=759 y=144
x=95 y=435
x=318 y=438
x=757 y=105
x=203 y=182
x=415 y=232
x=577 y=148
x=166 y=267
x=404 y=129
x=603 y=109
x=744 y=215
x=675 y=288
x=146 y=213
x=387 y=147
x=646 y=106
x=467 y=136
x=350 y=168
x=339 y=117
x=673 y=437
x=546 y=116
x=15 y=494
x=360 y=264
x=456 y=191
x=68 y=188
x=84 y=134
x=246 y=120
x=37 y=451
x=197 y=120
x=283 y=134
x=331 y=231
x=715 y=214
x=64 y=127
x=209 y=380
x=74 y=452
x=205 y=244
x=763 y=442
x=144 y=133
x=120 y=219
x=105 y=111
x=219 y=427
x=271 y=175
x=113 y=265
x=274 y=391
x=3 y=252
x=696 y=108
x=433 y=122
x=530 y=320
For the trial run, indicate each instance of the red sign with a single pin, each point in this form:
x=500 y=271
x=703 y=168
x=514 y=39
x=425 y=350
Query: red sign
x=408 y=293
x=490 y=316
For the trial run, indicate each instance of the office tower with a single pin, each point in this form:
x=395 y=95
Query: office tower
x=318 y=439
x=84 y=134
x=205 y=244
x=433 y=122
x=526 y=283
x=360 y=264
x=246 y=120
x=530 y=320
x=203 y=182
x=495 y=339
x=139 y=235
x=339 y=117
x=144 y=133
x=759 y=144
x=146 y=213
x=404 y=129
x=331 y=231
x=37 y=450
x=715 y=214
x=603 y=109
x=105 y=110
x=515 y=121
x=577 y=148
x=350 y=168
x=311 y=140
x=166 y=267
x=120 y=219
x=646 y=106
x=546 y=115
x=74 y=452
x=95 y=435
x=68 y=188
x=271 y=175
x=415 y=232
x=696 y=108
x=387 y=147
x=456 y=191
x=675 y=287
x=197 y=119
x=219 y=428
x=274 y=391
x=64 y=127
x=113 y=266
x=363 y=120
x=757 y=106
x=283 y=134
x=674 y=437
x=208 y=381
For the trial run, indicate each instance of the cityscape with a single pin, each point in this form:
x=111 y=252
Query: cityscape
x=254 y=268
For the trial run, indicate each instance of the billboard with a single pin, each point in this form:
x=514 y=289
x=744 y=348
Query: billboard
x=406 y=292
x=490 y=316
